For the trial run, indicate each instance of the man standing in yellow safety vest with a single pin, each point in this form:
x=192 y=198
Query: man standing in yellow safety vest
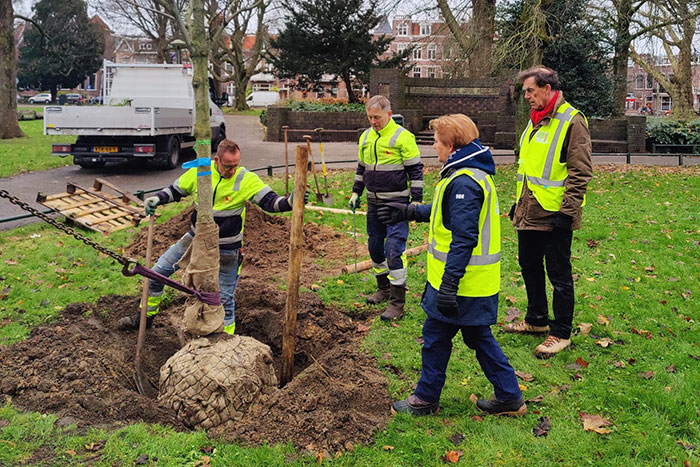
x=554 y=170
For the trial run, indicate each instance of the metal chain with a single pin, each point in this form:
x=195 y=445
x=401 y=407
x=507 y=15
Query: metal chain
x=123 y=260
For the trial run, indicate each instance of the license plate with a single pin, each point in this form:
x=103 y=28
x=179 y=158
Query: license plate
x=105 y=149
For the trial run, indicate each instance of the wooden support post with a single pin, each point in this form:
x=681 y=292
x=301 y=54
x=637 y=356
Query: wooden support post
x=295 y=255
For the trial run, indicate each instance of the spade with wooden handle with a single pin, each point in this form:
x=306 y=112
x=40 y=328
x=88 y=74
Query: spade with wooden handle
x=319 y=196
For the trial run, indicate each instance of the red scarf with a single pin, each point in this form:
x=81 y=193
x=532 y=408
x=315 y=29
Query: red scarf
x=537 y=115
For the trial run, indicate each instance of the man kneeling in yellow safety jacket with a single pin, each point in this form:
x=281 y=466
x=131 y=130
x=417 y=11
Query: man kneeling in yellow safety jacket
x=232 y=186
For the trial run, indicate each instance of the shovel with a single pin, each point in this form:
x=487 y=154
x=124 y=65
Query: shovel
x=327 y=199
x=144 y=385
x=319 y=197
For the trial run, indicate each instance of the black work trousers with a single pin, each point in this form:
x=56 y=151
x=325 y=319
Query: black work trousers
x=535 y=250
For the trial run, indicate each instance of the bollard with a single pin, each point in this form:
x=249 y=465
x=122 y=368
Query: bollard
x=269 y=171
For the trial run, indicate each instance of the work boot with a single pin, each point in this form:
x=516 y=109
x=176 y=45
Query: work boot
x=415 y=406
x=131 y=322
x=397 y=299
x=382 y=293
x=495 y=407
x=551 y=346
x=523 y=327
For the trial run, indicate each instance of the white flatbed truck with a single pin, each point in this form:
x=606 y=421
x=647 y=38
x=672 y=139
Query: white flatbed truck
x=148 y=113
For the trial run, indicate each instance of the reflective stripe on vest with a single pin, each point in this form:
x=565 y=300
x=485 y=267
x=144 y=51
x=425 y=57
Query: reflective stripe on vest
x=540 y=159
x=482 y=276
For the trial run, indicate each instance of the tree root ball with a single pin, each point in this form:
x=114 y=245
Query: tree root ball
x=208 y=384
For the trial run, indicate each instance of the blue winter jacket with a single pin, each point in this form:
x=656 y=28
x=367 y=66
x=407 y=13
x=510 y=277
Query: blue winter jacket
x=463 y=220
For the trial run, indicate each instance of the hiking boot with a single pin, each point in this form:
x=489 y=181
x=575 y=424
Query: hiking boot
x=382 y=293
x=397 y=300
x=523 y=327
x=551 y=346
x=495 y=407
x=131 y=322
x=413 y=405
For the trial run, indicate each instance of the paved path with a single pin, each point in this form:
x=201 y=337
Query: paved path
x=255 y=153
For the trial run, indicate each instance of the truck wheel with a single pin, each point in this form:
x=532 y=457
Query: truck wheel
x=173 y=157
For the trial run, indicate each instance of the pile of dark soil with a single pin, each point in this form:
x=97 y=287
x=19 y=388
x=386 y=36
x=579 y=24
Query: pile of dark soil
x=80 y=368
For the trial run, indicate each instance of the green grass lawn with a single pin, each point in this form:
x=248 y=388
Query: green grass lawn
x=233 y=111
x=637 y=269
x=33 y=152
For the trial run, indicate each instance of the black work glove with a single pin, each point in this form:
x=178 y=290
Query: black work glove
x=562 y=221
x=447 y=297
x=511 y=213
x=391 y=213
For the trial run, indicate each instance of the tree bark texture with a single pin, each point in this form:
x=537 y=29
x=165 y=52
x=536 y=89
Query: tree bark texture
x=9 y=128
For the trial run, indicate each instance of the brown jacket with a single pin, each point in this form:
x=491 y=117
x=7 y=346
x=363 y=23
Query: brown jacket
x=576 y=152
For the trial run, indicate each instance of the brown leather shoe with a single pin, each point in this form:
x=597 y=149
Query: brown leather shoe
x=523 y=327
x=382 y=293
x=551 y=346
x=396 y=303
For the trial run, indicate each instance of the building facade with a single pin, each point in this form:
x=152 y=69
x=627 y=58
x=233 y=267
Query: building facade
x=646 y=95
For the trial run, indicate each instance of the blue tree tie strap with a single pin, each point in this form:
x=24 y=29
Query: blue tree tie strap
x=210 y=298
x=200 y=162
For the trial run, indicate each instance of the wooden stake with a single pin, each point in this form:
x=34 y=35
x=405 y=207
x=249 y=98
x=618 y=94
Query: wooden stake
x=365 y=265
x=295 y=255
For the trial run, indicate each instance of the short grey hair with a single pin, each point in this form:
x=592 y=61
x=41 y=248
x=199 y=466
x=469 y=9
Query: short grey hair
x=379 y=101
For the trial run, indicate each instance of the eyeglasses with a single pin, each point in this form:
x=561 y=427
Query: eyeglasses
x=229 y=167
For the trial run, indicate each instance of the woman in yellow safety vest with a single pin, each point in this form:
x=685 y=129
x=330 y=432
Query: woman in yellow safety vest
x=464 y=243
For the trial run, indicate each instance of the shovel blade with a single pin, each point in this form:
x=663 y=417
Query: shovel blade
x=328 y=200
x=144 y=386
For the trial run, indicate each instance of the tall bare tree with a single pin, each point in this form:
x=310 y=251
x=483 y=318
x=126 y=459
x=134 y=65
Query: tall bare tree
x=9 y=128
x=146 y=16
x=231 y=48
x=676 y=37
x=476 y=40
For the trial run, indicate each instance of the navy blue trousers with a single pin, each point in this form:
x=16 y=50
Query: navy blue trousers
x=385 y=242
x=437 y=348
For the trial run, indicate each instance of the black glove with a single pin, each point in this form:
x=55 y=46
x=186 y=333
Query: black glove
x=562 y=221
x=391 y=213
x=447 y=297
x=511 y=213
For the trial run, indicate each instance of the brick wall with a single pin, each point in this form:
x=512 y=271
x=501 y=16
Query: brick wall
x=337 y=126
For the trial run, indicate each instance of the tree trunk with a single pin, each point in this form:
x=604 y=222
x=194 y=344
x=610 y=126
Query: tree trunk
x=682 y=78
x=481 y=61
x=240 y=92
x=202 y=131
x=622 y=53
x=9 y=128
x=352 y=98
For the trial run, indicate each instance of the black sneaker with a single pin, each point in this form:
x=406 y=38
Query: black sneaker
x=495 y=407
x=131 y=322
x=413 y=405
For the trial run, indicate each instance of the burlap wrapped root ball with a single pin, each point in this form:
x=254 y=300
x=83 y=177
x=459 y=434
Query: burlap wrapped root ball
x=209 y=384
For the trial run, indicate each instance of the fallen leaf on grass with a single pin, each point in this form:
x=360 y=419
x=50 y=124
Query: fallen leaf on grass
x=604 y=342
x=522 y=387
x=457 y=439
x=396 y=325
x=511 y=299
x=646 y=374
x=5 y=292
x=603 y=320
x=536 y=400
x=388 y=448
x=512 y=314
x=594 y=423
x=71 y=452
x=580 y=363
x=542 y=428
x=671 y=368
x=642 y=332
x=339 y=282
x=685 y=445
x=585 y=328
x=473 y=398
x=362 y=328
x=10 y=262
x=143 y=458
x=620 y=364
x=478 y=418
x=524 y=376
x=451 y=457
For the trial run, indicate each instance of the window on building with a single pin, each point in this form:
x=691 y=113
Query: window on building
x=666 y=103
x=402 y=29
x=416 y=72
x=432 y=71
x=650 y=82
x=400 y=48
x=228 y=67
x=418 y=53
x=425 y=29
x=432 y=51
x=640 y=82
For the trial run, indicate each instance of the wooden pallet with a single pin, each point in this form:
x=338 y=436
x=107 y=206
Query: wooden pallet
x=95 y=209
